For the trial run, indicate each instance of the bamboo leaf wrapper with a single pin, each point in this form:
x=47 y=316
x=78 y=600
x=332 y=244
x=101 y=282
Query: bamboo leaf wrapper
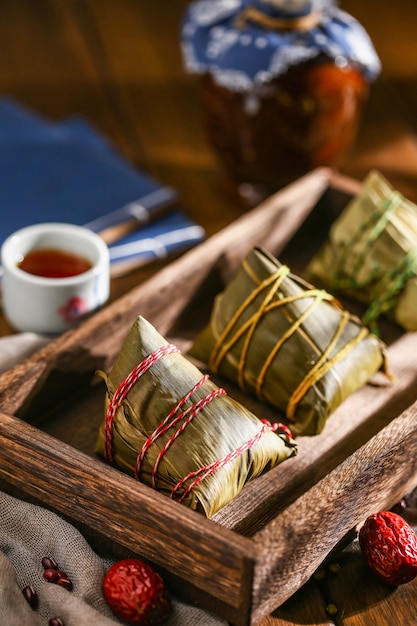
x=371 y=254
x=198 y=425
x=288 y=343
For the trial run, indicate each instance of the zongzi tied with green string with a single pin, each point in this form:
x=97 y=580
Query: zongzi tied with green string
x=288 y=343
x=174 y=429
x=371 y=254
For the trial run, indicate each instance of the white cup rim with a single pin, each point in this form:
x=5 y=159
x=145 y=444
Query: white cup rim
x=9 y=261
x=53 y=305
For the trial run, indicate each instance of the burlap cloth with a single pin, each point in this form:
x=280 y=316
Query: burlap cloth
x=29 y=532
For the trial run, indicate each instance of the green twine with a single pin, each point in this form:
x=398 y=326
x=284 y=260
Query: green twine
x=387 y=289
x=375 y=224
x=387 y=284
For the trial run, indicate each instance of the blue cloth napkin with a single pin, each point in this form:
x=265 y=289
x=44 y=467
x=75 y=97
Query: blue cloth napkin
x=67 y=172
x=173 y=232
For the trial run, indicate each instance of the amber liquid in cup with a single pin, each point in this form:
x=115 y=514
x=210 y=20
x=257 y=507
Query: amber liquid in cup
x=54 y=263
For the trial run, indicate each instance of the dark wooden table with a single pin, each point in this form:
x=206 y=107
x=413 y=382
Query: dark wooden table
x=117 y=62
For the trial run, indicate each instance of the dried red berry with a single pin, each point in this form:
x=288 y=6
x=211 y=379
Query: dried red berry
x=136 y=593
x=389 y=546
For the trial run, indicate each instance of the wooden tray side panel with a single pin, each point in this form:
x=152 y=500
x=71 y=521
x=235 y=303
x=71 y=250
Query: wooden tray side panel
x=295 y=543
x=126 y=512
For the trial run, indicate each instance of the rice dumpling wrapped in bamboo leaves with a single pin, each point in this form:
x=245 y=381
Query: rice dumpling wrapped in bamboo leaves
x=292 y=345
x=175 y=430
x=370 y=254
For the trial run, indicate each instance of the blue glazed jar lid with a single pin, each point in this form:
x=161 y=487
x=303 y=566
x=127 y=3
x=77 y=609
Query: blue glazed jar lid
x=244 y=43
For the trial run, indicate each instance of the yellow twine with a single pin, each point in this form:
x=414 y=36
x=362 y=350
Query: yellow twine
x=254 y=321
x=319 y=297
x=322 y=366
x=222 y=347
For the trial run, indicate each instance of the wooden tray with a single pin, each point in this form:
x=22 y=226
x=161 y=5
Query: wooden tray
x=258 y=550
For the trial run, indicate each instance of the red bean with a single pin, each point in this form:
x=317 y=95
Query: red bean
x=56 y=621
x=49 y=563
x=400 y=506
x=54 y=575
x=64 y=581
x=51 y=575
x=31 y=596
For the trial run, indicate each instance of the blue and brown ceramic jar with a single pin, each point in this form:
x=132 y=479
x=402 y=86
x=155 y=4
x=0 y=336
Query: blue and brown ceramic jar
x=284 y=84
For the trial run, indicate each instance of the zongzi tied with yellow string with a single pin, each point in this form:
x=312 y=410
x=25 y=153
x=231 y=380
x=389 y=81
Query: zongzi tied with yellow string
x=288 y=343
x=175 y=430
x=371 y=254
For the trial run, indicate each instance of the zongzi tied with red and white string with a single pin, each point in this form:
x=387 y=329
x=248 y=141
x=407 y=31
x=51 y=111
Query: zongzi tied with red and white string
x=371 y=254
x=288 y=343
x=175 y=430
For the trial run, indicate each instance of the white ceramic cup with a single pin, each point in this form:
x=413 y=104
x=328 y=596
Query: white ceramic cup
x=53 y=305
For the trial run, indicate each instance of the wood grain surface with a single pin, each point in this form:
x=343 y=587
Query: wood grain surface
x=117 y=62
x=360 y=460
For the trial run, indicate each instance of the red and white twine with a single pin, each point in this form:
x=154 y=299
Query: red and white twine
x=175 y=417
x=123 y=389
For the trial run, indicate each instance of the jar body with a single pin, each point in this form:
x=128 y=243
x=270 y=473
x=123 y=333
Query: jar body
x=301 y=120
